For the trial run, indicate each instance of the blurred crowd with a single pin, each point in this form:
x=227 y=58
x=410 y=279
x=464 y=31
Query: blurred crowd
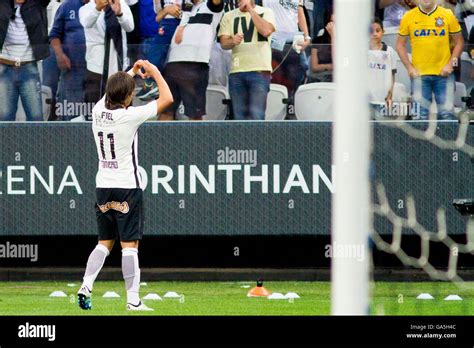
x=73 y=46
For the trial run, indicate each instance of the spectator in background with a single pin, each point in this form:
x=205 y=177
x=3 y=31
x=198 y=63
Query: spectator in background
x=394 y=11
x=465 y=15
x=51 y=72
x=247 y=32
x=133 y=37
x=322 y=9
x=23 y=42
x=219 y=64
x=289 y=67
x=430 y=29
x=105 y=25
x=382 y=67
x=168 y=17
x=69 y=45
x=187 y=70
x=321 y=53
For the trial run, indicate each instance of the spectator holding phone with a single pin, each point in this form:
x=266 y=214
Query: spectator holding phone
x=187 y=70
x=290 y=64
x=105 y=23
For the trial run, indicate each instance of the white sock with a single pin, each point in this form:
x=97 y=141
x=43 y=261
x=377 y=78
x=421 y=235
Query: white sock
x=131 y=274
x=94 y=265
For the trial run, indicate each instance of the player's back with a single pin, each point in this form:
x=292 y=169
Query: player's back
x=116 y=138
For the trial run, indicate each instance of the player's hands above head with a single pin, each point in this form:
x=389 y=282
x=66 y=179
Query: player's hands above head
x=137 y=68
x=150 y=69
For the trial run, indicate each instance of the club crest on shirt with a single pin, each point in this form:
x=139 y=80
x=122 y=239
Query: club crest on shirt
x=439 y=22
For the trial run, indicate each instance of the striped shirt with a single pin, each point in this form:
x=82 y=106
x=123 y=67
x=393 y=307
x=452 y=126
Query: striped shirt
x=200 y=26
x=17 y=43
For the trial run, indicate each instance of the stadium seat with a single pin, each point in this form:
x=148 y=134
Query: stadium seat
x=315 y=101
x=276 y=103
x=216 y=103
x=46 y=97
x=459 y=92
x=466 y=69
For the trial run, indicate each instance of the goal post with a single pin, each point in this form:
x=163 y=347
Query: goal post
x=351 y=155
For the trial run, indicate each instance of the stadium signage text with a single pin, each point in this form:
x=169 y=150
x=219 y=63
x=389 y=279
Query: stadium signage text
x=186 y=178
x=15 y=178
x=164 y=178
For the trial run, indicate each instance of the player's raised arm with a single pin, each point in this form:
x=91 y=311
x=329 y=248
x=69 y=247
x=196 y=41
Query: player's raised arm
x=166 y=98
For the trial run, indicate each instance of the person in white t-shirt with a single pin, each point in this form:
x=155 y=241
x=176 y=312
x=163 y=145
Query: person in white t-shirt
x=105 y=23
x=382 y=61
x=290 y=21
x=119 y=189
x=187 y=70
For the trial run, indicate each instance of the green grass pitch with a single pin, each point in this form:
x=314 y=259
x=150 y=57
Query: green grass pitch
x=229 y=298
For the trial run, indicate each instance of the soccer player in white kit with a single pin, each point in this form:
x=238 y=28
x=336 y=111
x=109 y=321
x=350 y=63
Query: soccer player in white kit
x=119 y=190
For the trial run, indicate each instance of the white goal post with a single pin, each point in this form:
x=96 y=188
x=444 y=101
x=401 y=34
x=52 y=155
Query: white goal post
x=351 y=219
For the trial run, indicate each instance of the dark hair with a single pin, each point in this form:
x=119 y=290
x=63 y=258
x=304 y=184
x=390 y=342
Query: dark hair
x=377 y=20
x=327 y=17
x=119 y=87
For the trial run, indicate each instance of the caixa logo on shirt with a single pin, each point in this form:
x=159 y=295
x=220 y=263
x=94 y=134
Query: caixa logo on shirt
x=429 y=32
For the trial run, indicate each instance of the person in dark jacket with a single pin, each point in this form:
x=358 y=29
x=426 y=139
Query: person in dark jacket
x=68 y=42
x=23 y=42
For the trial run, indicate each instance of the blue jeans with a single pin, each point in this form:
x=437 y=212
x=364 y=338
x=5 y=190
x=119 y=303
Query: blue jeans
x=23 y=82
x=423 y=89
x=51 y=72
x=248 y=92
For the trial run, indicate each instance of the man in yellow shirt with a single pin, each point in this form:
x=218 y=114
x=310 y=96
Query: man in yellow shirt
x=247 y=31
x=431 y=29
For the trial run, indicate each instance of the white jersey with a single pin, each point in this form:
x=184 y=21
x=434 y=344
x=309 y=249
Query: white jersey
x=115 y=134
x=286 y=16
x=382 y=64
x=200 y=26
